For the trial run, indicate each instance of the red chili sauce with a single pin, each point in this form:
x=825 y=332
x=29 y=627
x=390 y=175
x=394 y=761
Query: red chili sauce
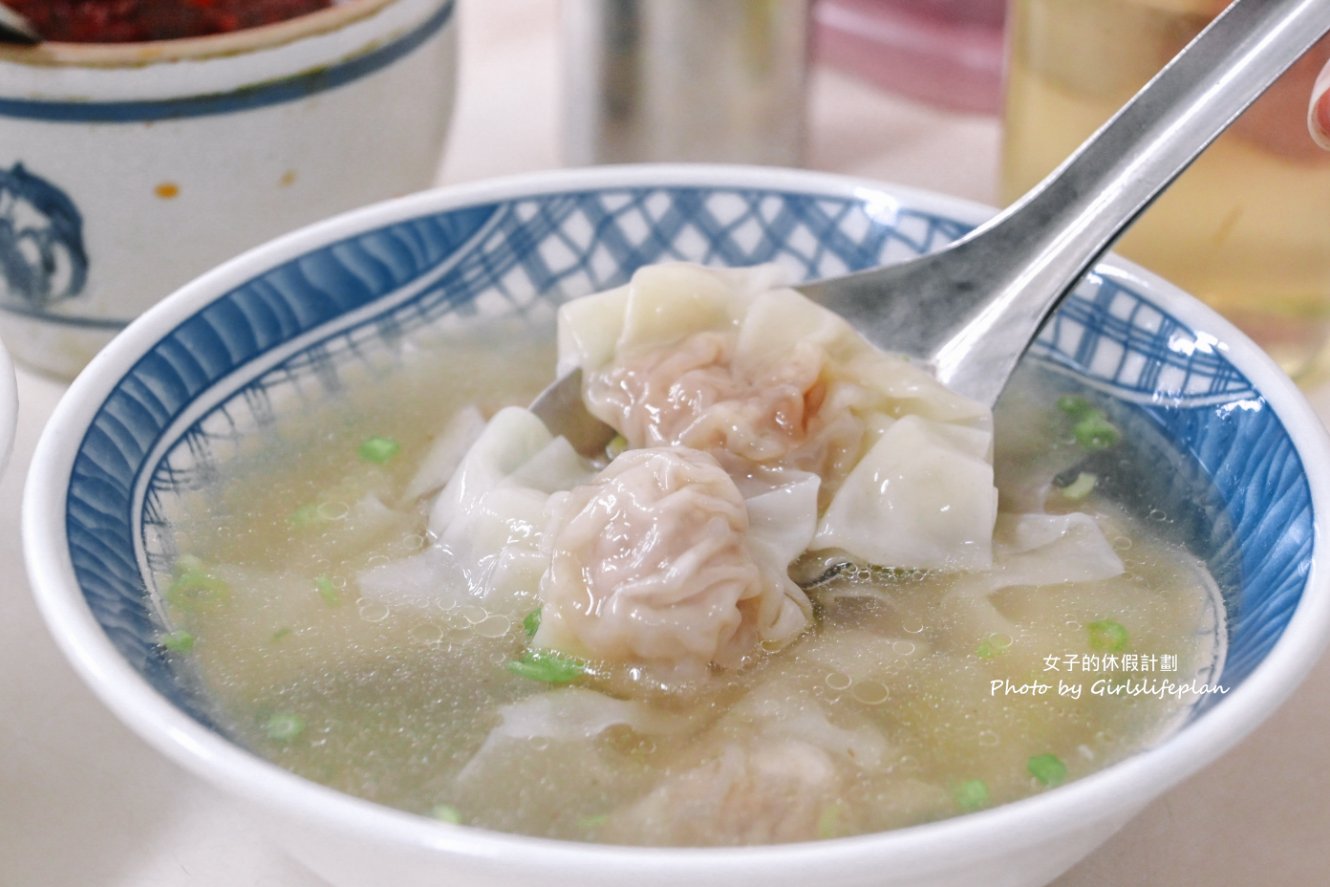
x=126 y=21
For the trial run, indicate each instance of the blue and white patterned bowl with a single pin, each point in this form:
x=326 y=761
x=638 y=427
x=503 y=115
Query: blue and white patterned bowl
x=171 y=396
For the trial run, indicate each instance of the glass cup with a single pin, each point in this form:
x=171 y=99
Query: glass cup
x=1247 y=227
x=127 y=169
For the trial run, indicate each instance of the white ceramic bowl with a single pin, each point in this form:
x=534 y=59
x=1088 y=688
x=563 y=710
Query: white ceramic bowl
x=165 y=399
x=127 y=169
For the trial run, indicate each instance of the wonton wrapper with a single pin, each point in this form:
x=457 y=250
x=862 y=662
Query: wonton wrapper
x=771 y=792
x=736 y=364
x=490 y=514
x=686 y=571
x=652 y=565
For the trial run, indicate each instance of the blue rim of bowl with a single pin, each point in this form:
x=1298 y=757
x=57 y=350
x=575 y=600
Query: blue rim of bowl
x=190 y=743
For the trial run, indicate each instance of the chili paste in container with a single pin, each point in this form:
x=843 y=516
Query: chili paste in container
x=127 y=21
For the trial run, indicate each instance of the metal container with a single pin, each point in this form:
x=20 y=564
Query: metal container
x=1247 y=227
x=685 y=80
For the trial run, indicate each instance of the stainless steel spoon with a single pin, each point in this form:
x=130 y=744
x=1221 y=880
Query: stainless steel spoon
x=970 y=310
x=15 y=28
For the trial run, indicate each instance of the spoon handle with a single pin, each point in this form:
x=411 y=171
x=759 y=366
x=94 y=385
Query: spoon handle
x=1018 y=266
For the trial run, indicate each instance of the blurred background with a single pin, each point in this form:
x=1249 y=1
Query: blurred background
x=974 y=98
x=863 y=113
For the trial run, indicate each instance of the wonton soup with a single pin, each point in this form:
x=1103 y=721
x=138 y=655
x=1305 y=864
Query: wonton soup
x=415 y=594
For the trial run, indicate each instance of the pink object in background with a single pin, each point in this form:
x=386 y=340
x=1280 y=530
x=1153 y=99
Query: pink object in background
x=944 y=52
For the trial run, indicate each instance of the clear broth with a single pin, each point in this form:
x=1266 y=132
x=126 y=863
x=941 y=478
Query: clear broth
x=924 y=698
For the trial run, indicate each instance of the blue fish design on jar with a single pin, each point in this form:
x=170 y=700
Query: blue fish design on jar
x=42 y=256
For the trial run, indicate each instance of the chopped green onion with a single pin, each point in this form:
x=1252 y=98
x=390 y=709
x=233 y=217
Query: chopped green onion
x=1094 y=432
x=179 y=641
x=972 y=794
x=305 y=516
x=1081 y=487
x=993 y=645
x=194 y=585
x=547 y=666
x=829 y=824
x=379 y=450
x=324 y=586
x=1107 y=636
x=1048 y=769
x=1090 y=426
x=446 y=813
x=282 y=632
x=283 y=726
x=593 y=821
x=1075 y=406
x=531 y=624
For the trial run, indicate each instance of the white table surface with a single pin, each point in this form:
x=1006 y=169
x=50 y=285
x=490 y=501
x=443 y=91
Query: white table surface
x=84 y=803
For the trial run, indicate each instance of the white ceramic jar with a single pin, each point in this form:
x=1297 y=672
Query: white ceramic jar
x=8 y=407
x=127 y=169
